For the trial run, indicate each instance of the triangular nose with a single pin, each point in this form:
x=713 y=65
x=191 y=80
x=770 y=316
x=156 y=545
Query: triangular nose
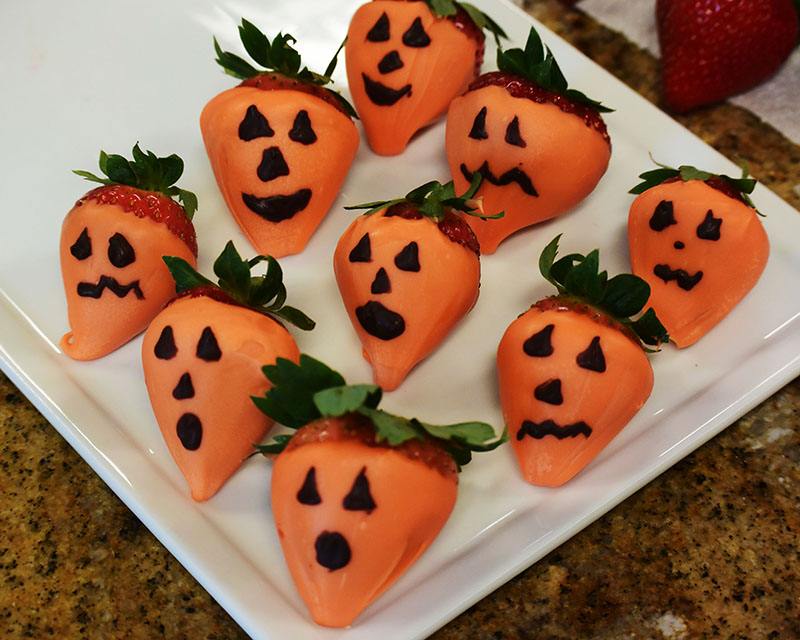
x=272 y=165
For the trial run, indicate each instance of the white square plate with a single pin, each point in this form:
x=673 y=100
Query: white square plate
x=96 y=75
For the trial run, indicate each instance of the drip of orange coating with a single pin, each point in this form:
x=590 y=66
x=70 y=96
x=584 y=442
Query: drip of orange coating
x=605 y=401
x=412 y=501
x=231 y=423
x=436 y=73
x=731 y=265
x=101 y=325
x=431 y=301
x=563 y=158
x=320 y=166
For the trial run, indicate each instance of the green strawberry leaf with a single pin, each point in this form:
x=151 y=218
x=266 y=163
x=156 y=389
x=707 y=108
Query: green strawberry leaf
x=432 y=199
x=309 y=390
x=537 y=64
x=147 y=172
x=278 y=56
x=649 y=179
x=445 y=8
x=577 y=277
x=278 y=444
x=265 y=294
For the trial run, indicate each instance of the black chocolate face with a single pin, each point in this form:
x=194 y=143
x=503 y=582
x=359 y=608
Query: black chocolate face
x=592 y=357
x=184 y=389
x=539 y=430
x=415 y=36
x=682 y=278
x=89 y=290
x=663 y=216
x=82 y=247
x=207 y=346
x=333 y=551
x=359 y=497
x=254 y=125
x=190 y=431
x=120 y=251
x=302 y=131
x=380 y=30
x=165 y=348
x=279 y=207
x=379 y=321
x=540 y=345
x=308 y=493
x=709 y=228
x=380 y=94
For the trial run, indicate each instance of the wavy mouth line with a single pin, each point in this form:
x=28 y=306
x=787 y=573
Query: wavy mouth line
x=279 y=207
x=89 y=290
x=680 y=276
x=515 y=175
x=539 y=430
x=382 y=95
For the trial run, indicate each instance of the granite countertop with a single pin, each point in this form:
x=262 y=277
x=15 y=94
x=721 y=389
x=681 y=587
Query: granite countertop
x=707 y=550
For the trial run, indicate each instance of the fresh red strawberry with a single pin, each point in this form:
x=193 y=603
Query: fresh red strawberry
x=280 y=144
x=408 y=270
x=407 y=60
x=713 y=49
x=695 y=237
x=572 y=369
x=519 y=128
x=357 y=494
x=202 y=359
x=111 y=246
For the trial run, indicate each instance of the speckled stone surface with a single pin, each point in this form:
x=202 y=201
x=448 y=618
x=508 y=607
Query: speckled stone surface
x=707 y=550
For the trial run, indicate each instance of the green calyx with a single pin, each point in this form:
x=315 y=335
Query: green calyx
x=576 y=276
x=537 y=64
x=432 y=199
x=310 y=390
x=265 y=294
x=444 y=8
x=277 y=56
x=649 y=179
x=146 y=172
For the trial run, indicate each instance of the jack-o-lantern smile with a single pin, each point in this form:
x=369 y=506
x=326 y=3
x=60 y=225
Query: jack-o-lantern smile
x=699 y=246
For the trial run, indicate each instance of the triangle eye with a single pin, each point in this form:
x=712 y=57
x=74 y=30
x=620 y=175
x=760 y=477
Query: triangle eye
x=301 y=129
x=254 y=125
x=663 y=216
x=362 y=252
x=380 y=30
x=208 y=347
x=539 y=345
x=120 y=251
x=82 y=247
x=708 y=229
x=478 y=131
x=359 y=498
x=592 y=358
x=513 y=135
x=408 y=258
x=308 y=493
x=415 y=35
x=165 y=348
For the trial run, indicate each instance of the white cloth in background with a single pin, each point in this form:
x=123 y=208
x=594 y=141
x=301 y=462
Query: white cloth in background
x=776 y=101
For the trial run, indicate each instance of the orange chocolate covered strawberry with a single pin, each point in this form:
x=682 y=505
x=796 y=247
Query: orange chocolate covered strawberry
x=408 y=270
x=540 y=147
x=572 y=369
x=202 y=359
x=406 y=60
x=111 y=246
x=357 y=494
x=696 y=238
x=280 y=144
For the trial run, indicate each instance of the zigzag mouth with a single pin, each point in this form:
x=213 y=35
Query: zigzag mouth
x=539 y=430
x=512 y=175
x=279 y=207
x=89 y=290
x=382 y=95
x=680 y=276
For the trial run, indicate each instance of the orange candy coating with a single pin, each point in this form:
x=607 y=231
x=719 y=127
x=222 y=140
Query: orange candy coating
x=436 y=73
x=101 y=325
x=605 y=401
x=320 y=166
x=231 y=423
x=412 y=503
x=563 y=158
x=731 y=265
x=431 y=301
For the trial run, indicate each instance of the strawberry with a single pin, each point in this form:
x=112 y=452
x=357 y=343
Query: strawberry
x=280 y=144
x=202 y=359
x=695 y=237
x=111 y=246
x=519 y=128
x=713 y=49
x=572 y=369
x=408 y=270
x=357 y=494
x=407 y=60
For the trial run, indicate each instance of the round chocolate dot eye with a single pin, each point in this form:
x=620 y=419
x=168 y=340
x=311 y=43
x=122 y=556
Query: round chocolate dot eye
x=120 y=251
x=592 y=358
